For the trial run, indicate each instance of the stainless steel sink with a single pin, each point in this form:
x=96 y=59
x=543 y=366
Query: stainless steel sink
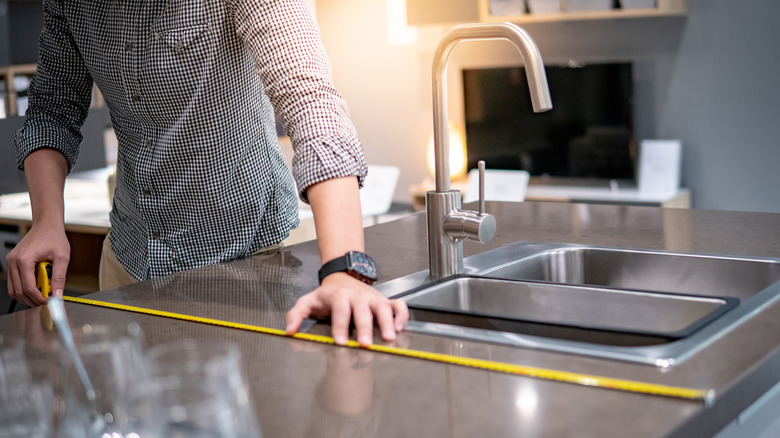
x=642 y=306
x=630 y=269
x=561 y=310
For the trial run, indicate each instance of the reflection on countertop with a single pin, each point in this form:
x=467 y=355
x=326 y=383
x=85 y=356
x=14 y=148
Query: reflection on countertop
x=295 y=385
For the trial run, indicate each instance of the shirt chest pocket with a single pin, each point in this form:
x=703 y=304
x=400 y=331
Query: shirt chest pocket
x=181 y=23
x=179 y=60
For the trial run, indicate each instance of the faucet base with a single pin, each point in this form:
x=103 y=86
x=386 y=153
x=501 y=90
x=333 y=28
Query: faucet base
x=445 y=254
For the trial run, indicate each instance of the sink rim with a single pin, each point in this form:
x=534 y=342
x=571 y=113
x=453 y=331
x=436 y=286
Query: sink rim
x=547 y=262
x=665 y=355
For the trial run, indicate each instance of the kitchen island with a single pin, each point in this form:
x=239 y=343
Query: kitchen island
x=300 y=388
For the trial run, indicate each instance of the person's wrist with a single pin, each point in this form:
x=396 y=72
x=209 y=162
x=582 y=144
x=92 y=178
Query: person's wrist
x=356 y=264
x=338 y=277
x=51 y=223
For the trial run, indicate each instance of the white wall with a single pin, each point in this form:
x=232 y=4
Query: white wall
x=386 y=87
x=708 y=79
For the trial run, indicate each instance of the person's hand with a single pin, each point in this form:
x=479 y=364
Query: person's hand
x=40 y=244
x=343 y=298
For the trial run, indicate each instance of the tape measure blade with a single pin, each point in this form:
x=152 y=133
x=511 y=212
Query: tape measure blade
x=707 y=396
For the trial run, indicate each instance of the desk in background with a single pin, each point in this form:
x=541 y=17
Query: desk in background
x=581 y=194
x=87 y=206
x=605 y=195
x=86 y=225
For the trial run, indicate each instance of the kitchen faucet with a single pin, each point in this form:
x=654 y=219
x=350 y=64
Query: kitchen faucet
x=448 y=225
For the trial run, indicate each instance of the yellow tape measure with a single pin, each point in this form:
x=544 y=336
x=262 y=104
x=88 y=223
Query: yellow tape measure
x=707 y=396
x=43 y=277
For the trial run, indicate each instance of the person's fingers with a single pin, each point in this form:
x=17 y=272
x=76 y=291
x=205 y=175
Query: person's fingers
x=294 y=320
x=59 y=269
x=339 y=319
x=29 y=286
x=15 y=284
x=383 y=312
x=10 y=261
x=364 y=322
x=9 y=282
x=345 y=303
x=297 y=314
x=401 y=313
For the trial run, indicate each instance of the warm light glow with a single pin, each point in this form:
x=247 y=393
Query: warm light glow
x=457 y=153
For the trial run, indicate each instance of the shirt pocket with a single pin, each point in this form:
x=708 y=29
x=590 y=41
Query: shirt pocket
x=181 y=23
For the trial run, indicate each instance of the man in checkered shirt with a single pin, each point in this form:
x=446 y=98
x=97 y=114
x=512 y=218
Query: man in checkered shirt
x=192 y=86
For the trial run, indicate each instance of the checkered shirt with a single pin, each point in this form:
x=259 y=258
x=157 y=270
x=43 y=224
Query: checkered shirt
x=192 y=86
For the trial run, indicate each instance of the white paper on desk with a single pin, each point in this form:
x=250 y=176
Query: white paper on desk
x=659 y=166
x=500 y=185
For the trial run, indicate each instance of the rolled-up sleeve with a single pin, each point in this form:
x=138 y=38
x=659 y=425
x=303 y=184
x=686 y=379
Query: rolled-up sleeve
x=284 y=40
x=59 y=95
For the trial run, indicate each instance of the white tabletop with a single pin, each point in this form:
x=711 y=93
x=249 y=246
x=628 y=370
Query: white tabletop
x=605 y=194
x=86 y=204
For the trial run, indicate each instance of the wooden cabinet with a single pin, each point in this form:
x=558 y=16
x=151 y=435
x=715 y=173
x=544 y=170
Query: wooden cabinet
x=86 y=245
x=422 y=12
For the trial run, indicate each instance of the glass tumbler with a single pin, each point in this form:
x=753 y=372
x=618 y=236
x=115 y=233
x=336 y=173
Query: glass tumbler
x=25 y=403
x=125 y=400
x=204 y=390
x=13 y=373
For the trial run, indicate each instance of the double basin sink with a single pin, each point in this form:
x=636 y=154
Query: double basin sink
x=642 y=306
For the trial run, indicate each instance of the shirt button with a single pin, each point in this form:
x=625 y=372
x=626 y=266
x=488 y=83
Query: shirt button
x=148 y=143
x=147 y=192
x=156 y=234
x=178 y=44
x=128 y=47
x=136 y=98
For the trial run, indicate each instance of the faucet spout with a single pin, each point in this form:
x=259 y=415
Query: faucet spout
x=534 y=67
x=448 y=225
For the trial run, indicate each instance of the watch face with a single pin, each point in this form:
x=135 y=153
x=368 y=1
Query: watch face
x=363 y=266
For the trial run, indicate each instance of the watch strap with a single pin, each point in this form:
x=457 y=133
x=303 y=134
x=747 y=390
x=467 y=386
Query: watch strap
x=354 y=263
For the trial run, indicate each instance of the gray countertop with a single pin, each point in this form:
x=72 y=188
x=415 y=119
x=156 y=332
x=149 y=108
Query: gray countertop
x=301 y=388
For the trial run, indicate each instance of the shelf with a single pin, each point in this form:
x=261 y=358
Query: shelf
x=437 y=12
x=425 y=12
x=579 y=194
x=665 y=8
x=17 y=69
x=7 y=74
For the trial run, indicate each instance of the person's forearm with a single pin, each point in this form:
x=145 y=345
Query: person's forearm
x=337 y=216
x=45 y=170
x=339 y=223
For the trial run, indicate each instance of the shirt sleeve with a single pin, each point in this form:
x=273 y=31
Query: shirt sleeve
x=60 y=93
x=284 y=40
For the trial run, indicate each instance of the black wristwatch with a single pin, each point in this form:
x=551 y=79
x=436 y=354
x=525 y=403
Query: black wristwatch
x=355 y=263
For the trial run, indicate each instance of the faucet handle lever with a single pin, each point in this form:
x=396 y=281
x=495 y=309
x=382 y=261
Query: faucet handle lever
x=481 y=170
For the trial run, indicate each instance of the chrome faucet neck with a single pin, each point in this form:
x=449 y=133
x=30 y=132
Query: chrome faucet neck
x=448 y=225
x=534 y=67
